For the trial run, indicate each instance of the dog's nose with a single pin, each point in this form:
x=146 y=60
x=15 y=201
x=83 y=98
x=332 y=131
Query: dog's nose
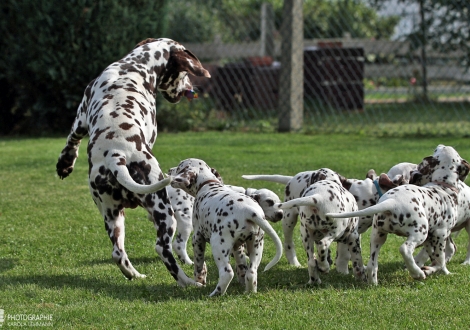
x=278 y=215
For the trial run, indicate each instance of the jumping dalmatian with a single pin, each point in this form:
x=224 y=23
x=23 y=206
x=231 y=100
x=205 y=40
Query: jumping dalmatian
x=118 y=113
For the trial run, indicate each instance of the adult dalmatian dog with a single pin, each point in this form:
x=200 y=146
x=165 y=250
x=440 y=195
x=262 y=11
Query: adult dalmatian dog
x=424 y=215
x=227 y=220
x=118 y=113
x=324 y=196
x=183 y=203
x=366 y=192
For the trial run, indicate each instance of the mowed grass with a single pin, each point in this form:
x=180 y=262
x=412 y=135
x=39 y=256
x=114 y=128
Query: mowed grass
x=55 y=256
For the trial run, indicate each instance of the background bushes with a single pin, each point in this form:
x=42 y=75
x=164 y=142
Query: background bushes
x=52 y=49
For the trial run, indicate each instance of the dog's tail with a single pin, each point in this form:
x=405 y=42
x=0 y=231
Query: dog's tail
x=284 y=179
x=386 y=205
x=301 y=201
x=117 y=165
x=269 y=230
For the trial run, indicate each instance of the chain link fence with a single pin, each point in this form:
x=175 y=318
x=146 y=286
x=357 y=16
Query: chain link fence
x=382 y=68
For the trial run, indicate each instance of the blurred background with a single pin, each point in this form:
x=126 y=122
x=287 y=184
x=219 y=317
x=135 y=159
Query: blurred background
x=373 y=67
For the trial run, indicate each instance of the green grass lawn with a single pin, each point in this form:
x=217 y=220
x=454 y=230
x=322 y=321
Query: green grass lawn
x=55 y=256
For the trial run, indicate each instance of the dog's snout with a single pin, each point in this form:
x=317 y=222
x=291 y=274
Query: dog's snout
x=278 y=215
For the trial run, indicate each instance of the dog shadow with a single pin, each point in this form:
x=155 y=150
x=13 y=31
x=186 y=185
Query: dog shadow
x=292 y=278
x=7 y=264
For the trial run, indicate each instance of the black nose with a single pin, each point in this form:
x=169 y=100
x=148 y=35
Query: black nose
x=278 y=215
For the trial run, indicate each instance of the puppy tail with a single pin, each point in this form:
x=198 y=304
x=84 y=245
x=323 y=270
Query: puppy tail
x=269 y=230
x=386 y=205
x=284 y=179
x=117 y=165
x=301 y=201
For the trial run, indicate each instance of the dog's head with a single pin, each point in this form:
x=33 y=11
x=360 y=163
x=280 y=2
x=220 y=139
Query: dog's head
x=174 y=64
x=266 y=199
x=175 y=82
x=445 y=165
x=192 y=173
x=326 y=174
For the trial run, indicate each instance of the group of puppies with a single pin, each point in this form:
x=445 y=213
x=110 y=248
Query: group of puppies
x=424 y=203
x=118 y=112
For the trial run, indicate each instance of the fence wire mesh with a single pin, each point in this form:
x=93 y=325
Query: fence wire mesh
x=379 y=67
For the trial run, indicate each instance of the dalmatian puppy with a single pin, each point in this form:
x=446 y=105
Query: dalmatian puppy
x=226 y=219
x=424 y=215
x=423 y=175
x=366 y=193
x=118 y=113
x=320 y=198
x=182 y=204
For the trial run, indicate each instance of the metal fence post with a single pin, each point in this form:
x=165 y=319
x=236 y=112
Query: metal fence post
x=267 y=30
x=291 y=86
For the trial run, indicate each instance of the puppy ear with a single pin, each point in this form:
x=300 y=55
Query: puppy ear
x=346 y=183
x=371 y=174
x=184 y=60
x=415 y=177
x=256 y=197
x=385 y=182
x=463 y=170
x=217 y=175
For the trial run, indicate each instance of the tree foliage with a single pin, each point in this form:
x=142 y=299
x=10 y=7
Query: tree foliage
x=52 y=49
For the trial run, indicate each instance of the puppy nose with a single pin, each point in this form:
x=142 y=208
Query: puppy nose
x=278 y=216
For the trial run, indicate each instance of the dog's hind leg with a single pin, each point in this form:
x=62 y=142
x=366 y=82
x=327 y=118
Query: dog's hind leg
x=254 y=247
x=288 y=225
x=114 y=225
x=159 y=207
x=69 y=154
x=221 y=254
x=406 y=250
x=342 y=258
x=438 y=257
x=308 y=243
x=377 y=239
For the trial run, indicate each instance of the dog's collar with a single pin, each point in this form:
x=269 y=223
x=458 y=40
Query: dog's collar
x=445 y=184
x=206 y=182
x=377 y=186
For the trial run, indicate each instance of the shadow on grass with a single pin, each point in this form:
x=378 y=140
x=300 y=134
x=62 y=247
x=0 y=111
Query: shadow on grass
x=278 y=278
x=7 y=264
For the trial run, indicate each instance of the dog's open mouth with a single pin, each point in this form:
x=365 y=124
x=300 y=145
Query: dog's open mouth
x=190 y=94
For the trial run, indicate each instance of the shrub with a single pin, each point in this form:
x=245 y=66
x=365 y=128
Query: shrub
x=52 y=49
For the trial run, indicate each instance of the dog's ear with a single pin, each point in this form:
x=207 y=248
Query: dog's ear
x=256 y=197
x=415 y=177
x=399 y=180
x=145 y=41
x=184 y=60
x=217 y=175
x=317 y=176
x=345 y=182
x=371 y=174
x=385 y=182
x=463 y=170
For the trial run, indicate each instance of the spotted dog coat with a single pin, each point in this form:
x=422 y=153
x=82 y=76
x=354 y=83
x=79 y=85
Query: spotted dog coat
x=319 y=198
x=421 y=176
x=424 y=215
x=226 y=219
x=365 y=192
x=118 y=112
x=183 y=202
